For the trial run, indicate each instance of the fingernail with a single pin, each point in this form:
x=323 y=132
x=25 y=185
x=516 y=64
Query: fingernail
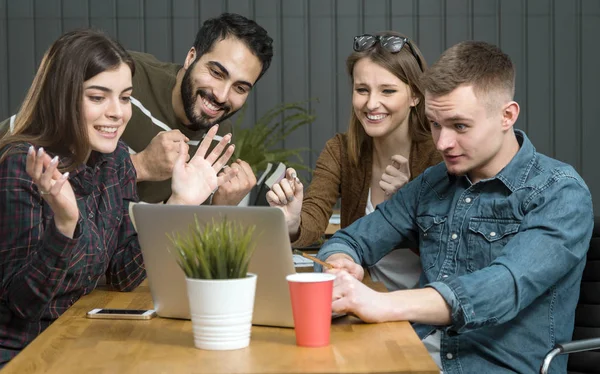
x=297 y=180
x=54 y=160
x=291 y=198
x=31 y=150
x=294 y=175
x=65 y=175
x=41 y=151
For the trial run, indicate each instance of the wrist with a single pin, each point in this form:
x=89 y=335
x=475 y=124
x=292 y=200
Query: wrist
x=138 y=164
x=294 y=230
x=67 y=228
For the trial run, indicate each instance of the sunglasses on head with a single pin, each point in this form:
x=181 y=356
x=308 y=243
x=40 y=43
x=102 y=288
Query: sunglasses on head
x=390 y=43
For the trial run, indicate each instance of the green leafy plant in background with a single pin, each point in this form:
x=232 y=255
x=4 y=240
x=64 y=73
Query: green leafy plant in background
x=255 y=145
x=219 y=250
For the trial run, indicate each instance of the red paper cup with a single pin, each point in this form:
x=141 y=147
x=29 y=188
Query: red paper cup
x=311 y=306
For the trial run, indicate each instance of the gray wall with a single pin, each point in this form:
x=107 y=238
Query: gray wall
x=554 y=44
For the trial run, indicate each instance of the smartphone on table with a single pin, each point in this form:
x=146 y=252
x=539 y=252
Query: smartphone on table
x=106 y=313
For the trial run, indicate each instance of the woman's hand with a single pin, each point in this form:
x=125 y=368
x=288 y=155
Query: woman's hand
x=287 y=194
x=194 y=181
x=395 y=176
x=54 y=189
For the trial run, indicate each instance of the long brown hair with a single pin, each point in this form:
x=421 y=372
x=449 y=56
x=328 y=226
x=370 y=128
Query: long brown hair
x=51 y=116
x=404 y=66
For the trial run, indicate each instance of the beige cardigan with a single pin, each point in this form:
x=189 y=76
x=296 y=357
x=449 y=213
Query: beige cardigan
x=335 y=176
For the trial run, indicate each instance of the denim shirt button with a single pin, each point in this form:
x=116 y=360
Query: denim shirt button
x=454 y=236
x=91 y=215
x=445 y=276
x=449 y=356
x=493 y=233
x=468 y=200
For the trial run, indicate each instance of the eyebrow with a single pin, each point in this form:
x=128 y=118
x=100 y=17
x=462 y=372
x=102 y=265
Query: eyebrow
x=106 y=89
x=226 y=72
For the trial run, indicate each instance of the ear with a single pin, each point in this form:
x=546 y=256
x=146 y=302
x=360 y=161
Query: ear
x=510 y=113
x=415 y=101
x=191 y=56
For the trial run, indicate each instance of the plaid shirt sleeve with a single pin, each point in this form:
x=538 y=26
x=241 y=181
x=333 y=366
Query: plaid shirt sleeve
x=33 y=260
x=126 y=268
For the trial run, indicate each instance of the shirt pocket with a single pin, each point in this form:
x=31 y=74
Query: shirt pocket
x=431 y=229
x=487 y=238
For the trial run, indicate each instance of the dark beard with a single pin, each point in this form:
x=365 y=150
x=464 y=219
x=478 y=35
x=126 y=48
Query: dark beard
x=188 y=97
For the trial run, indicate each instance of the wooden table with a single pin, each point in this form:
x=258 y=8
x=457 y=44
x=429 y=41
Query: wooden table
x=76 y=344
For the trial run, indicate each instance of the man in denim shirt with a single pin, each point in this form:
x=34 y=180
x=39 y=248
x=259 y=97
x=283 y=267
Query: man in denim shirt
x=502 y=230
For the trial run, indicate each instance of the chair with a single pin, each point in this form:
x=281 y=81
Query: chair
x=584 y=349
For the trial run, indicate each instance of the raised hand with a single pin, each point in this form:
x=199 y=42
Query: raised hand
x=395 y=176
x=233 y=191
x=54 y=189
x=193 y=182
x=287 y=195
x=156 y=162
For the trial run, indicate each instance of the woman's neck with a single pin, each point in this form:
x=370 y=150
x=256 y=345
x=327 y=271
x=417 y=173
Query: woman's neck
x=399 y=142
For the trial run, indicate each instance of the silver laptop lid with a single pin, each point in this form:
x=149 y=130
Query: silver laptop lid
x=272 y=259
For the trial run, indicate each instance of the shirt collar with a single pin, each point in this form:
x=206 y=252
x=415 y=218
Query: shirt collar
x=515 y=173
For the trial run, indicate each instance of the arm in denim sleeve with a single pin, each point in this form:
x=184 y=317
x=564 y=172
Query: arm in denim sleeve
x=552 y=241
x=126 y=268
x=35 y=257
x=371 y=237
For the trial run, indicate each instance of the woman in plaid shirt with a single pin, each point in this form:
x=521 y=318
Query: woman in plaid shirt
x=66 y=182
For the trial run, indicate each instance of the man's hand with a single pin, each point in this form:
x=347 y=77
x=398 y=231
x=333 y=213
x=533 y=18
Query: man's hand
x=194 y=181
x=287 y=195
x=351 y=296
x=341 y=261
x=156 y=162
x=236 y=188
x=395 y=176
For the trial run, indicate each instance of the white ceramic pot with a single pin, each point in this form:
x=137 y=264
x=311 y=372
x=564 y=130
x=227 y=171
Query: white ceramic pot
x=221 y=312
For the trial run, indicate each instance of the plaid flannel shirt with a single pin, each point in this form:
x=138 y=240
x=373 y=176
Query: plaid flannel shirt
x=42 y=272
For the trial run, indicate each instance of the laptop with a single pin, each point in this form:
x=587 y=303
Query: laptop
x=272 y=259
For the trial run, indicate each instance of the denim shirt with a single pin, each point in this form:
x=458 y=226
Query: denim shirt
x=506 y=253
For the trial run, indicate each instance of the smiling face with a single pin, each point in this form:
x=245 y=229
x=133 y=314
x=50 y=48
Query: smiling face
x=381 y=101
x=217 y=84
x=107 y=107
x=473 y=135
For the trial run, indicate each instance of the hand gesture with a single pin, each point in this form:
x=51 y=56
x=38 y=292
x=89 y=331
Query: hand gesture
x=395 y=176
x=234 y=190
x=287 y=195
x=156 y=162
x=54 y=189
x=194 y=181
x=351 y=296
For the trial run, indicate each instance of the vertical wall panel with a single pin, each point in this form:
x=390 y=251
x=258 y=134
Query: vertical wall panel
x=75 y=14
x=103 y=15
x=567 y=125
x=349 y=25
x=539 y=76
x=553 y=44
x=47 y=25
x=589 y=104
x=485 y=20
x=430 y=28
x=513 y=42
x=294 y=58
x=185 y=27
x=322 y=62
x=458 y=22
x=158 y=29
x=4 y=97
x=21 y=45
x=130 y=24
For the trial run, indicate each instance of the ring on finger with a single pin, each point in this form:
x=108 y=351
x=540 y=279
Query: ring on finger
x=42 y=192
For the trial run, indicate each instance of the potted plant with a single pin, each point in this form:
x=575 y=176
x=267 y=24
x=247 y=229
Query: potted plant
x=215 y=258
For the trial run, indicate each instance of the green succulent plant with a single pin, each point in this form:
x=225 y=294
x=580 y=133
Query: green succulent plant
x=217 y=250
x=255 y=145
